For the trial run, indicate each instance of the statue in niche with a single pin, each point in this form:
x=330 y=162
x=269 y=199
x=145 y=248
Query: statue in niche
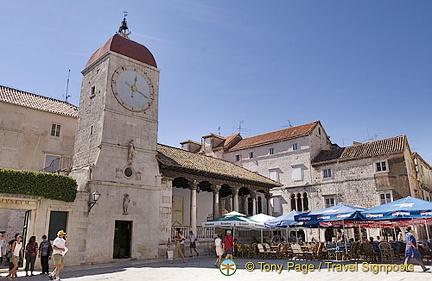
x=126 y=202
x=131 y=149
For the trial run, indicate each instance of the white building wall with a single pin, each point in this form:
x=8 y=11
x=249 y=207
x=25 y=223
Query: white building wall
x=204 y=205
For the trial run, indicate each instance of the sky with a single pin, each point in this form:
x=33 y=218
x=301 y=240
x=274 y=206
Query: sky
x=363 y=68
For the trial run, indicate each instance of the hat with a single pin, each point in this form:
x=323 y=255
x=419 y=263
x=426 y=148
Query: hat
x=61 y=232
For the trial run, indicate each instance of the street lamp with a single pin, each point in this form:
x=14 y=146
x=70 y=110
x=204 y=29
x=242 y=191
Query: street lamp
x=94 y=198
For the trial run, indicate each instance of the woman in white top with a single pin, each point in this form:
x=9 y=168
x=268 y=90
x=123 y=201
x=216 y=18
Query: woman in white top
x=219 y=250
x=17 y=252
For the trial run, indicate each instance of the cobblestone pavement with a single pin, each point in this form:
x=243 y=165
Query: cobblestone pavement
x=202 y=268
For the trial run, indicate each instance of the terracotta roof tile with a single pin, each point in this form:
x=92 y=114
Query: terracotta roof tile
x=370 y=149
x=180 y=159
x=275 y=136
x=21 y=98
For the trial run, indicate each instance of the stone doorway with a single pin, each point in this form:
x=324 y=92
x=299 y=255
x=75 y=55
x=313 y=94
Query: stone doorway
x=122 y=239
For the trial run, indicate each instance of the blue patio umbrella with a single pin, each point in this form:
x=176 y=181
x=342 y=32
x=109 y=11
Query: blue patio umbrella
x=405 y=208
x=339 y=212
x=402 y=209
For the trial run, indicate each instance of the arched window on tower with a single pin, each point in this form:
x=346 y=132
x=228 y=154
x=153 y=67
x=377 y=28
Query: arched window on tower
x=259 y=205
x=293 y=202
x=305 y=202
x=299 y=202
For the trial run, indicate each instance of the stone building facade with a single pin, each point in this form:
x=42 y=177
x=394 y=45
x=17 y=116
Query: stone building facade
x=113 y=140
x=366 y=175
x=424 y=176
x=284 y=156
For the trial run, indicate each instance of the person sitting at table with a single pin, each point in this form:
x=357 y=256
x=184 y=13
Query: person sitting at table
x=340 y=237
x=424 y=248
x=374 y=244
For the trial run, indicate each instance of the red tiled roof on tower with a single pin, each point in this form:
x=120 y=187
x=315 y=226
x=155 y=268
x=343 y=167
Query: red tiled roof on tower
x=275 y=136
x=126 y=47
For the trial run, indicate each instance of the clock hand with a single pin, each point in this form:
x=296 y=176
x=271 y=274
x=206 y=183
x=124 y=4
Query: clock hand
x=142 y=94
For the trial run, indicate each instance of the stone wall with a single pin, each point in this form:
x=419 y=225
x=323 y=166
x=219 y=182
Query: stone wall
x=12 y=221
x=25 y=137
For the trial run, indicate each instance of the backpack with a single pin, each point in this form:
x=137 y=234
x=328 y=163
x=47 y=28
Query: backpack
x=45 y=248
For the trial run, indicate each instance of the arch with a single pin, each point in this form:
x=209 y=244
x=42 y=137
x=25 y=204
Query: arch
x=225 y=191
x=293 y=203
x=244 y=191
x=305 y=202
x=299 y=202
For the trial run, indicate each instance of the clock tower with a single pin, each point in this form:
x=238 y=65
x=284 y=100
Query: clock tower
x=115 y=148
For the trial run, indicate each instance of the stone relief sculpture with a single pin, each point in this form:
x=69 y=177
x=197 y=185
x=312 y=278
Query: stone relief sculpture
x=126 y=202
x=119 y=173
x=131 y=149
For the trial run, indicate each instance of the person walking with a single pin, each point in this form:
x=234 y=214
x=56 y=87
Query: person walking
x=177 y=247
x=182 y=243
x=1 y=249
x=45 y=252
x=228 y=242
x=31 y=251
x=59 y=250
x=3 y=245
x=192 y=245
x=17 y=253
x=411 y=249
x=219 y=250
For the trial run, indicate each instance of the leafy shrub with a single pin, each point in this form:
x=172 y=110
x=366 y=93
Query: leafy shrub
x=47 y=185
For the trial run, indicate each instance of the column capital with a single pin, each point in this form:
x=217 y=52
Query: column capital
x=193 y=184
x=216 y=188
x=252 y=194
x=235 y=190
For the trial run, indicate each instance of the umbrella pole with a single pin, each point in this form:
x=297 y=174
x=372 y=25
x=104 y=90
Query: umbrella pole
x=427 y=230
x=360 y=234
x=345 y=238
x=262 y=236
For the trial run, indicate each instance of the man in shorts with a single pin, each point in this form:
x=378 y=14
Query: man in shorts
x=228 y=242
x=59 y=250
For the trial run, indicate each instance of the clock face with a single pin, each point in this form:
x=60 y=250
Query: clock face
x=132 y=89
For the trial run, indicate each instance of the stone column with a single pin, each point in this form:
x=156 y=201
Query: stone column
x=269 y=210
x=216 y=206
x=253 y=197
x=301 y=201
x=235 y=191
x=193 y=207
x=244 y=199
